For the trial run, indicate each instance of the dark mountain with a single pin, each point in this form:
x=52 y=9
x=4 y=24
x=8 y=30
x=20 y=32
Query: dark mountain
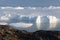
x=9 y=33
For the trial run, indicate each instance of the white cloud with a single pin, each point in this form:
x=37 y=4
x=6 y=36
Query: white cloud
x=19 y=8
x=33 y=8
x=53 y=7
x=16 y=8
x=7 y=7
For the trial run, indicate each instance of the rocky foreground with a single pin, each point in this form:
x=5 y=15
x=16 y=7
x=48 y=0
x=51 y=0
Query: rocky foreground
x=9 y=33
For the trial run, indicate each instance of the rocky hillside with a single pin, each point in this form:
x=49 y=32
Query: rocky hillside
x=9 y=33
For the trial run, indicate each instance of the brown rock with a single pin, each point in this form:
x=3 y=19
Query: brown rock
x=9 y=33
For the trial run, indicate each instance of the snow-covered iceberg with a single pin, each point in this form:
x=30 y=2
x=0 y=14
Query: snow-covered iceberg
x=31 y=23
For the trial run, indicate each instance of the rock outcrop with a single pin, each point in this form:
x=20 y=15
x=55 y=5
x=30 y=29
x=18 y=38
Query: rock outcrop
x=9 y=33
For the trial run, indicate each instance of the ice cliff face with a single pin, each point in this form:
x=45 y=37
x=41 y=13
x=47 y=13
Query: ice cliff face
x=53 y=21
x=38 y=22
x=46 y=22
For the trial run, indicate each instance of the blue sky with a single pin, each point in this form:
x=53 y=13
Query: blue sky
x=26 y=3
